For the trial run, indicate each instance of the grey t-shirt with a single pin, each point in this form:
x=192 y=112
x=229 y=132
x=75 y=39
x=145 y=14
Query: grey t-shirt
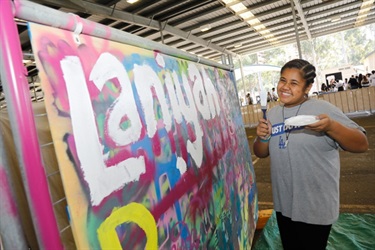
x=305 y=173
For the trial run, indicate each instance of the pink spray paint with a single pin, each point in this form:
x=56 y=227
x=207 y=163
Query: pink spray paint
x=22 y=120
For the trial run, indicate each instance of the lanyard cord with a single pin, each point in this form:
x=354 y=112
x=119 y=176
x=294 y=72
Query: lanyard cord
x=289 y=130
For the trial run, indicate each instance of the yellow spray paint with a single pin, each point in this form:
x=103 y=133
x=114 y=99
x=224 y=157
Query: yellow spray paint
x=133 y=212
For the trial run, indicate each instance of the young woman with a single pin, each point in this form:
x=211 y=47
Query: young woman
x=305 y=163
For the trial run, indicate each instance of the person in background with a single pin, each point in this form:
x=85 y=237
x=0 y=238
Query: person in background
x=346 y=84
x=269 y=97
x=359 y=79
x=340 y=85
x=372 y=78
x=365 y=82
x=275 y=97
x=333 y=85
x=257 y=98
x=249 y=100
x=328 y=87
x=305 y=163
x=353 y=82
x=323 y=87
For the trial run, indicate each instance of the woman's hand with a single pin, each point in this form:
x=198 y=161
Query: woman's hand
x=264 y=129
x=350 y=139
x=323 y=125
x=260 y=146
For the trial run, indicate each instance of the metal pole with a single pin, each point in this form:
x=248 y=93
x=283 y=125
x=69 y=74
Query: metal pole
x=223 y=59
x=296 y=29
x=161 y=33
x=261 y=85
x=24 y=133
x=10 y=223
x=242 y=73
x=230 y=60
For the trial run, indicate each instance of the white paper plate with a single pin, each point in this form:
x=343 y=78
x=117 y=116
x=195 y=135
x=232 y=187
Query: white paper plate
x=301 y=120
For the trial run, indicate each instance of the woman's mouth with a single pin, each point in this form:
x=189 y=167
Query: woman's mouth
x=286 y=94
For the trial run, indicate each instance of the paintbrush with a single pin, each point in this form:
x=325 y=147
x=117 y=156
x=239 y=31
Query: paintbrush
x=263 y=102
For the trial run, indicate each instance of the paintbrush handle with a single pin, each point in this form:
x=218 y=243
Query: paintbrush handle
x=264 y=114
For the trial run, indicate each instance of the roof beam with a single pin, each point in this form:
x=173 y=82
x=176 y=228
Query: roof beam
x=302 y=17
x=108 y=12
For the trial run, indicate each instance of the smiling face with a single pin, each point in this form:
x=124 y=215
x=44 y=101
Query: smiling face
x=292 y=87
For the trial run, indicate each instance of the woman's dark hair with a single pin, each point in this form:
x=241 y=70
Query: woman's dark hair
x=306 y=68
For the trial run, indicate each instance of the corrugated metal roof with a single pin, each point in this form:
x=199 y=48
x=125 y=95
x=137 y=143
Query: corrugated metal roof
x=259 y=26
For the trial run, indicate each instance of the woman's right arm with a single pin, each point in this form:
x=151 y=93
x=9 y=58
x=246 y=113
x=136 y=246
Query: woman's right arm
x=261 y=142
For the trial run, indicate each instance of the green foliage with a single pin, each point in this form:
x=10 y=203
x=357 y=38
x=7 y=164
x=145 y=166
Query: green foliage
x=358 y=45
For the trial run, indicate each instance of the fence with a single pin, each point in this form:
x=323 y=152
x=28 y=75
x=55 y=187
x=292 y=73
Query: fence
x=356 y=102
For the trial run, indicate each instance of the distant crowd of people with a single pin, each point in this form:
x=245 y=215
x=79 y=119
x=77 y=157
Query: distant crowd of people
x=354 y=82
x=271 y=96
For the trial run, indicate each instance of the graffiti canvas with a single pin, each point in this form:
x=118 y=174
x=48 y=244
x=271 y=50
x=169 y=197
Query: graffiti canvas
x=151 y=147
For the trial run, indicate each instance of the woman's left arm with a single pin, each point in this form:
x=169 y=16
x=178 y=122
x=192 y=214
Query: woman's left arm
x=350 y=139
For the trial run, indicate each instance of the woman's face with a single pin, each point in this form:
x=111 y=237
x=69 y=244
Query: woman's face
x=292 y=87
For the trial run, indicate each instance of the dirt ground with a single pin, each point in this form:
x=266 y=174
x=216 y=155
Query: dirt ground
x=357 y=183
